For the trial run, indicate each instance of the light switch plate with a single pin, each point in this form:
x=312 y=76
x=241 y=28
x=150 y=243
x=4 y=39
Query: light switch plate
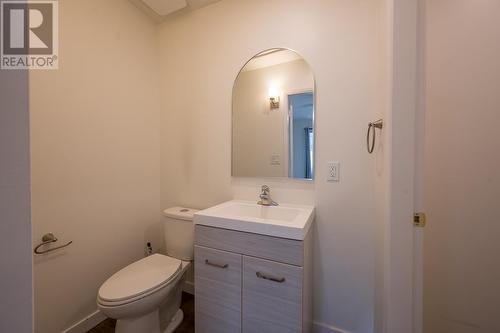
x=275 y=159
x=333 y=171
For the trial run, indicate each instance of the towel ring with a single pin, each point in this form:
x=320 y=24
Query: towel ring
x=47 y=239
x=371 y=130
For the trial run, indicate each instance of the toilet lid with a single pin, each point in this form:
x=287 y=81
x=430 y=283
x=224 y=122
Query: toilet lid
x=140 y=277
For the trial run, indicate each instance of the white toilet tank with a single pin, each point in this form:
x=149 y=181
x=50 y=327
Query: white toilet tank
x=178 y=228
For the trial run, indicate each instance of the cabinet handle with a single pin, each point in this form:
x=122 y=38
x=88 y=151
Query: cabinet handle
x=215 y=264
x=270 y=278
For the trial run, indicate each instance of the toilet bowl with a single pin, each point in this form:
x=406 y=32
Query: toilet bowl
x=146 y=295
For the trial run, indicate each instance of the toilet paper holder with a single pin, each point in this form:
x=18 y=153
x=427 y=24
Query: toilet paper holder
x=47 y=239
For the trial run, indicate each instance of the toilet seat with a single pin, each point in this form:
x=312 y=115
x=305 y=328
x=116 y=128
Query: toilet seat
x=139 y=279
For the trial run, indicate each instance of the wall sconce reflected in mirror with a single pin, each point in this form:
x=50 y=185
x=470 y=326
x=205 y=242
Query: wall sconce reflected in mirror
x=274 y=98
x=274 y=102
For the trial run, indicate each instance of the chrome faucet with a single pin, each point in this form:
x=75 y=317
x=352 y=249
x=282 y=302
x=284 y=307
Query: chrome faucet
x=265 y=197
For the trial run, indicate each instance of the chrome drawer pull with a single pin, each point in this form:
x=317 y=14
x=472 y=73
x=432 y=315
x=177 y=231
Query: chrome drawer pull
x=270 y=278
x=215 y=264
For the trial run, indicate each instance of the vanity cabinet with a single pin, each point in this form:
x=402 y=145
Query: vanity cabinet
x=248 y=282
x=218 y=291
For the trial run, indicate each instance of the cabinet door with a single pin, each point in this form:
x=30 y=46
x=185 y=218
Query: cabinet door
x=272 y=296
x=217 y=291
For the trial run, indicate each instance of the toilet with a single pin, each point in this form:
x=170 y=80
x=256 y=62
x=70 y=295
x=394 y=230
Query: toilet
x=146 y=295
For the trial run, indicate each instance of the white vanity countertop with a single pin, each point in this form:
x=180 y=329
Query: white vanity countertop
x=284 y=221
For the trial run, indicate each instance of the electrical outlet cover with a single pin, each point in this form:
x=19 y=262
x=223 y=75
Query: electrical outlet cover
x=332 y=173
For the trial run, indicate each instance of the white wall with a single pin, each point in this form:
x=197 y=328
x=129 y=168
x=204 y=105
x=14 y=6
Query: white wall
x=95 y=155
x=201 y=54
x=462 y=163
x=15 y=225
x=258 y=132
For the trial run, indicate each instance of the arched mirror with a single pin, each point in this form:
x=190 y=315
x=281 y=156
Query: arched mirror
x=273 y=117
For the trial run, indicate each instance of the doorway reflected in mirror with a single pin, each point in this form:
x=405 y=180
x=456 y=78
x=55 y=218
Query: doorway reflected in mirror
x=301 y=140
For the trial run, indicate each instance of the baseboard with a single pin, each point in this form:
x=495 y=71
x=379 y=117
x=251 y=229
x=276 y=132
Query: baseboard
x=86 y=323
x=188 y=287
x=324 y=328
x=96 y=317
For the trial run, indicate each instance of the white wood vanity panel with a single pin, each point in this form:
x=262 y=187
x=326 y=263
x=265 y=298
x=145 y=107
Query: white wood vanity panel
x=273 y=301
x=218 y=291
x=270 y=291
x=289 y=251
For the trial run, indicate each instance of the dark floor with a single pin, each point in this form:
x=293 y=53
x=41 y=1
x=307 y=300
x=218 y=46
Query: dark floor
x=187 y=325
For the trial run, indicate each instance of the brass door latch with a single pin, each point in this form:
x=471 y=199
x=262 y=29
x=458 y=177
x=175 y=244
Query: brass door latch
x=419 y=220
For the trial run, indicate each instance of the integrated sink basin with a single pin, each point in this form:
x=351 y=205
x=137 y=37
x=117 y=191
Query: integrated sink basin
x=285 y=221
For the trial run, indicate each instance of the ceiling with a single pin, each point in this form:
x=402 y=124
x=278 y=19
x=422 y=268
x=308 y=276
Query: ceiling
x=160 y=10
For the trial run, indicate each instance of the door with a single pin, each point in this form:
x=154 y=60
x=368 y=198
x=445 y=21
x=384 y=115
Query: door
x=272 y=297
x=217 y=291
x=461 y=266
x=301 y=136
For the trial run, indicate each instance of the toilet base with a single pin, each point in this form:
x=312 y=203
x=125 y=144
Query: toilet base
x=174 y=322
x=149 y=323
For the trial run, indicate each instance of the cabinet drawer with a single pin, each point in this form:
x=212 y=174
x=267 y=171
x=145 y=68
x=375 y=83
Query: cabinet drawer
x=217 y=290
x=272 y=296
x=273 y=248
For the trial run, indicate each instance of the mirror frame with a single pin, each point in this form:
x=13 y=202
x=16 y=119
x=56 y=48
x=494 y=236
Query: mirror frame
x=313 y=118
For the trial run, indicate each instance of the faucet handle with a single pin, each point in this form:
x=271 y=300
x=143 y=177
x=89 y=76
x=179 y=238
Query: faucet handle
x=265 y=189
